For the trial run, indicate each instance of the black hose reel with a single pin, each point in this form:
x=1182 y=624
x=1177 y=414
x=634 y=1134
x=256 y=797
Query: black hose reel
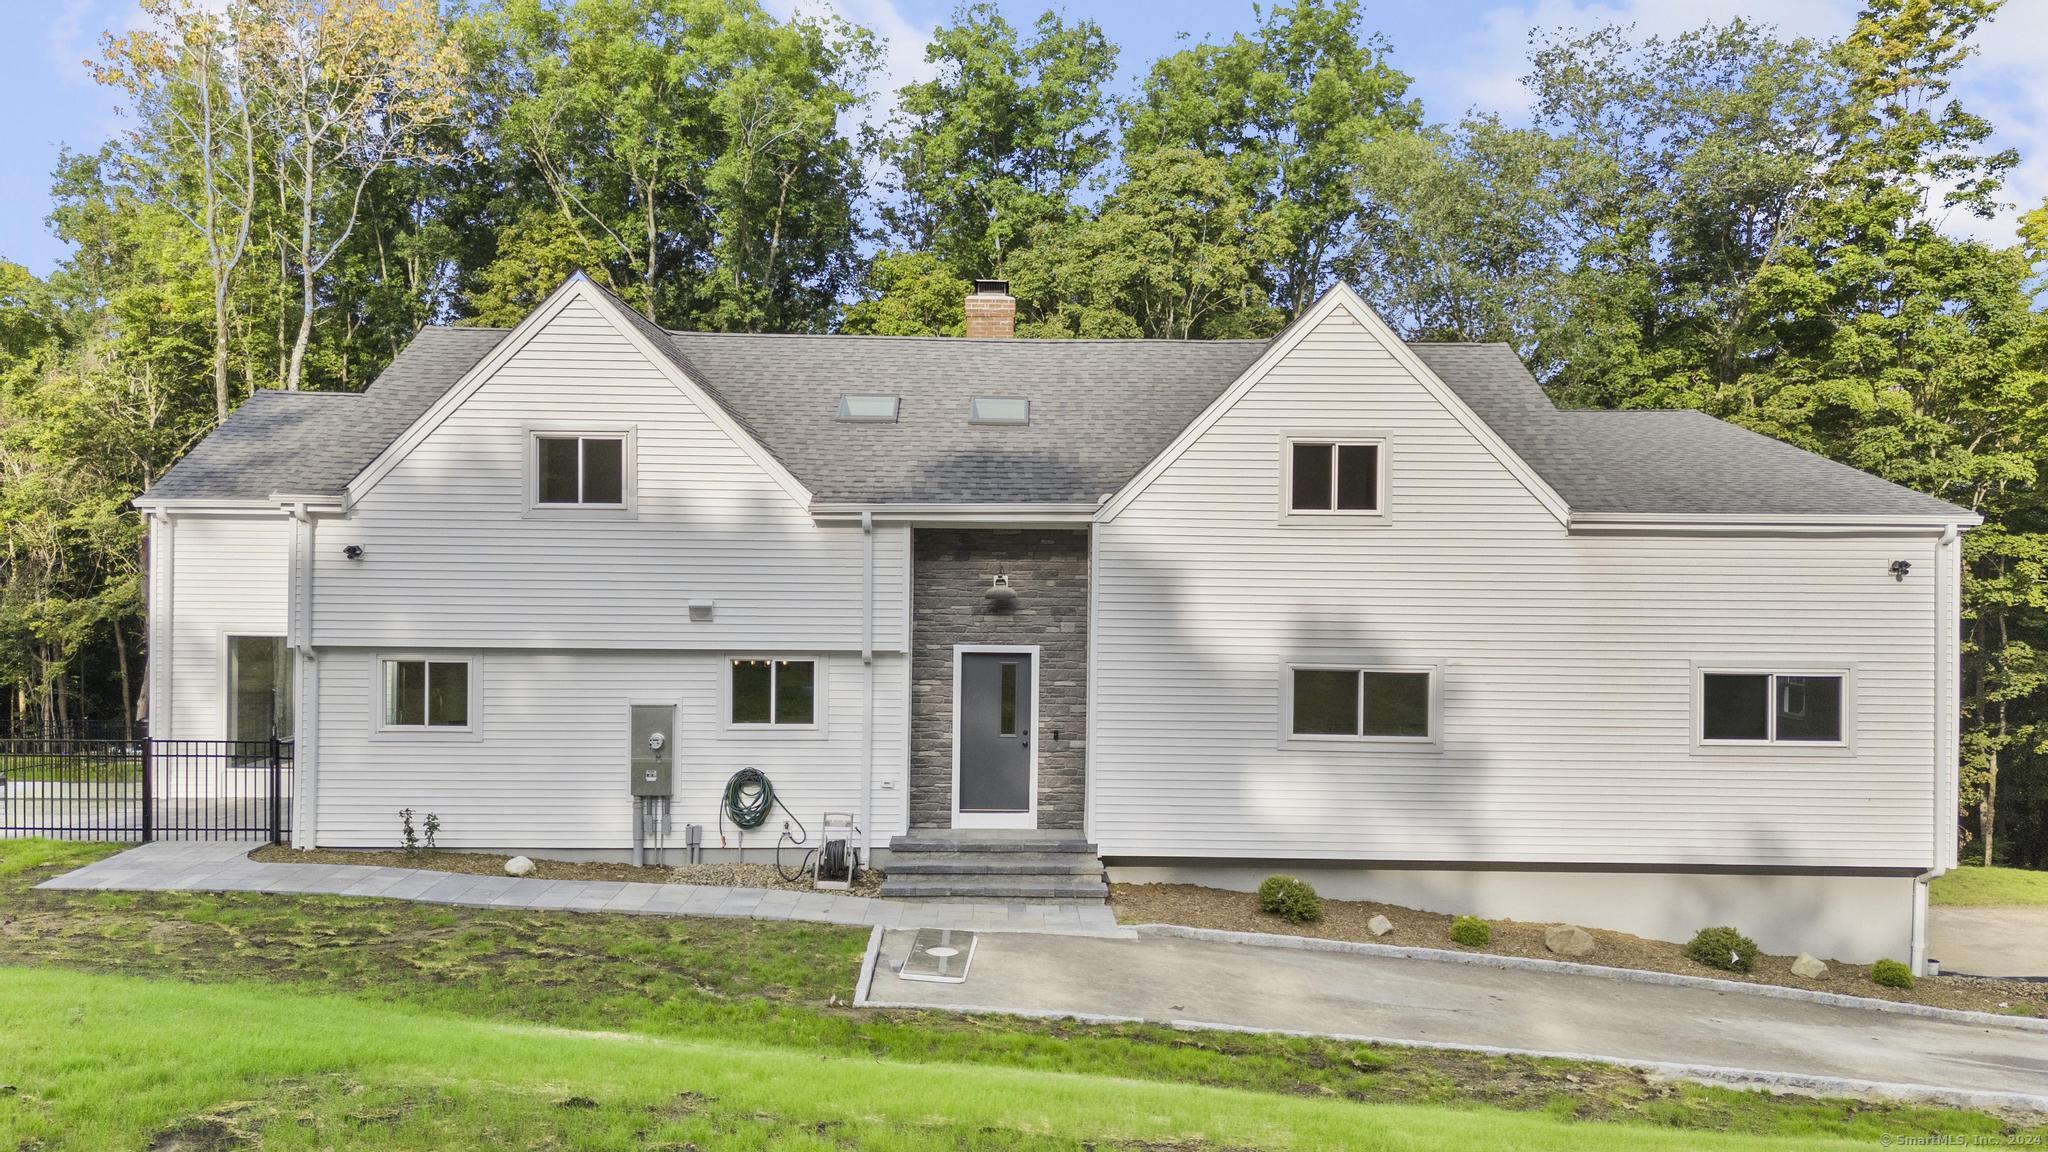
x=748 y=802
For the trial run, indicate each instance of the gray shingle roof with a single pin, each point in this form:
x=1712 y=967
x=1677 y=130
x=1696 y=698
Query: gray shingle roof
x=1100 y=410
x=1659 y=462
x=314 y=443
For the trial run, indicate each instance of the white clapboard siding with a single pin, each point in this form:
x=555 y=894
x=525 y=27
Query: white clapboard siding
x=452 y=559
x=549 y=766
x=1567 y=660
x=229 y=578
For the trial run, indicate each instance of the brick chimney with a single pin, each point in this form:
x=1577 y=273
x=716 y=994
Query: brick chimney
x=991 y=311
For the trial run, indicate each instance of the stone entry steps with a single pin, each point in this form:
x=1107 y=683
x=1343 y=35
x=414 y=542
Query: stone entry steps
x=955 y=865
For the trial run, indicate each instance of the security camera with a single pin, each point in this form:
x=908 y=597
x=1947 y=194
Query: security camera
x=352 y=551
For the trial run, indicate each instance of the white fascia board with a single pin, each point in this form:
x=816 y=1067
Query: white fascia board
x=577 y=287
x=939 y=515
x=1342 y=297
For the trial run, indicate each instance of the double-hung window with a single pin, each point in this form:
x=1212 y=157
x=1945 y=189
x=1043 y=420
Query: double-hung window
x=1748 y=707
x=426 y=694
x=773 y=693
x=1362 y=703
x=573 y=470
x=1335 y=477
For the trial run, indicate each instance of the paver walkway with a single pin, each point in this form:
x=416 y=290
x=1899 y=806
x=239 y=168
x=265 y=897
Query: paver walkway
x=1688 y=1030
x=226 y=867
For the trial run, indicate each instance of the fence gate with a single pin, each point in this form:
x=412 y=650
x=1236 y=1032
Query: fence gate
x=141 y=790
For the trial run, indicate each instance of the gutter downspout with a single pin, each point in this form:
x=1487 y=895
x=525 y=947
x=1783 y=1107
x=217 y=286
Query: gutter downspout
x=306 y=719
x=163 y=549
x=867 y=684
x=1946 y=686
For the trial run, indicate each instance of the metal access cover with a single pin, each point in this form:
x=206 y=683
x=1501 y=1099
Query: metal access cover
x=940 y=955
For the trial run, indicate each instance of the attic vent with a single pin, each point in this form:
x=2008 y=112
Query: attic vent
x=868 y=409
x=999 y=410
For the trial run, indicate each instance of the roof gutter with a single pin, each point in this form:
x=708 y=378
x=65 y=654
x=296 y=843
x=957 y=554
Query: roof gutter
x=956 y=515
x=1591 y=523
x=278 y=503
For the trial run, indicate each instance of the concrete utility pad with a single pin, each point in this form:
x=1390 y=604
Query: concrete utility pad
x=1175 y=980
x=1989 y=941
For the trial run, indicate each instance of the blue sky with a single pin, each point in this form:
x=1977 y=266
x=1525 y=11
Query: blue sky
x=1462 y=53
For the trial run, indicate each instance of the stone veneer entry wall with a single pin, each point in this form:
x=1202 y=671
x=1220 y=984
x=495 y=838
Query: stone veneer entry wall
x=951 y=571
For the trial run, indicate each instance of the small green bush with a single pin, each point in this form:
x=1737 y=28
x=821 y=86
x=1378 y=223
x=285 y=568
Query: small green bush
x=1891 y=974
x=1292 y=900
x=1471 y=931
x=1724 y=948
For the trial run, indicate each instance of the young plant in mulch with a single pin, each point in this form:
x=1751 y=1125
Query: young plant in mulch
x=1292 y=900
x=1721 y=946
x=1891 y=974
x=1471 y=931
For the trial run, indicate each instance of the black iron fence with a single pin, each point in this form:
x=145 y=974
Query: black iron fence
x=85 y=789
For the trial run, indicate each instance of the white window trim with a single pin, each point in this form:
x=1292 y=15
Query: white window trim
x=629 y=480
x=820 y=699
x=1433 y=742
x=1289 y=514
x=1700 y=672
x=439 y=733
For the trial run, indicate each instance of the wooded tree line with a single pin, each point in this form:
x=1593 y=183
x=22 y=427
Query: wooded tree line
x=1729 y=220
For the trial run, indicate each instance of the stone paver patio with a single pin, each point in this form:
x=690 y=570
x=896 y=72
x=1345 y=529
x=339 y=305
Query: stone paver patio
x=226 y=867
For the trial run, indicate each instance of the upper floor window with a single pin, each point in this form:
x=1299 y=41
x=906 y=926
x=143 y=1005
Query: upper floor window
x=1771 y=708
x=1334 y=476
x=574 y=470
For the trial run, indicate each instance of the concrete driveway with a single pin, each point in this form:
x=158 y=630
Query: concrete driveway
x=1193 y=982
x=1989 y=941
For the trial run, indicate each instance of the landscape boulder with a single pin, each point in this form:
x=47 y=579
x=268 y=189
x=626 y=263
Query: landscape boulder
x=1809 y=967
x=1379 y=925
x=518 y=866
x=1568 y=940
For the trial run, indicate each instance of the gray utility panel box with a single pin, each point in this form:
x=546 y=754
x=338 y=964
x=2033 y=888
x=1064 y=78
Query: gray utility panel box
x=651 y=760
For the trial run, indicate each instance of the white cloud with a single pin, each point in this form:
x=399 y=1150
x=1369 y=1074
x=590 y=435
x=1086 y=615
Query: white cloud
x=72 y=38
x=2004 y=83
x=902 y=44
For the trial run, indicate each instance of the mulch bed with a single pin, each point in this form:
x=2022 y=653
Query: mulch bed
x=1198 y=907
x=485 y=864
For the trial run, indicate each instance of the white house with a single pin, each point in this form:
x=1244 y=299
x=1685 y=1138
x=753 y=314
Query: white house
x=1370 y=612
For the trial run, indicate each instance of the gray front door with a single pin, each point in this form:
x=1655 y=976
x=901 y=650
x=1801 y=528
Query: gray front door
x=997 y=702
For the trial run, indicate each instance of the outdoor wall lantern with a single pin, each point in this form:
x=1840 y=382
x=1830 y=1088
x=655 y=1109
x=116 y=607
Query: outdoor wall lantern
x=1000 y=596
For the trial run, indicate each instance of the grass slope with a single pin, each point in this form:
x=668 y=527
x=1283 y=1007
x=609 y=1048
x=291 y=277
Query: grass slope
x=1977 y=887
x=108 y=1061
x=764 y=988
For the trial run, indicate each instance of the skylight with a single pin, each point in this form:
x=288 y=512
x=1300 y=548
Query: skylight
x=868 y=409
x=999 y=410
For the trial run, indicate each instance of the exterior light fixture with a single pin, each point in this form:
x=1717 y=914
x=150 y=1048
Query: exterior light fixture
x=1000 y=596
x=1899 y=568
x=352 y=551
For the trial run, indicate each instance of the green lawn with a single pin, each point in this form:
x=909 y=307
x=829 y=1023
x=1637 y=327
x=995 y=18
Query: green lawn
x=1977 y=887
x=341 y=1023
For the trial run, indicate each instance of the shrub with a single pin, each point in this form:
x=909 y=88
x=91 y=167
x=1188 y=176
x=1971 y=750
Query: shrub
x=1471 y=931
x=1891 y=974
x=1292 y=900
x=1724 y=948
